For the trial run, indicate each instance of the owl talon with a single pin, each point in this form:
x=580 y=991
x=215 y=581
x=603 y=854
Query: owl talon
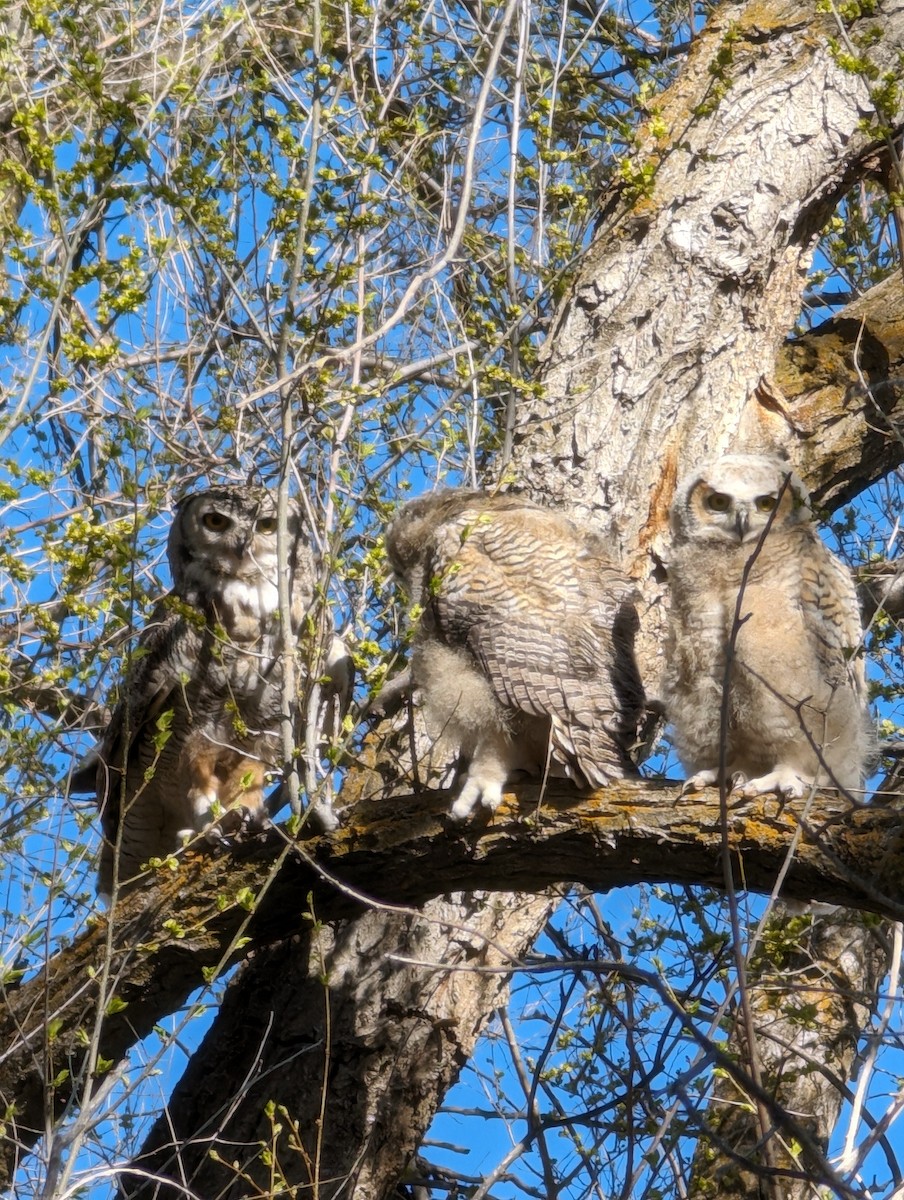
x=699 y=781
x=784 y=783
x=238 y=823
x=216 y=837
x=475 y=791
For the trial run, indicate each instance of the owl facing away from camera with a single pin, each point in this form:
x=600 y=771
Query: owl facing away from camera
x=198 y=723
x=752 y=583
x=523 y=649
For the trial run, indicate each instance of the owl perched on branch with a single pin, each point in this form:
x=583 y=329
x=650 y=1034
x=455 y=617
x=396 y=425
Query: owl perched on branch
x=765 y=674
x=198 y=723
x=523 y=648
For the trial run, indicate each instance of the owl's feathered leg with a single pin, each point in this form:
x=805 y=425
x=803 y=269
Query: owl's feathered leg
x=489 y=768
x=704 y=779
x=220 y=781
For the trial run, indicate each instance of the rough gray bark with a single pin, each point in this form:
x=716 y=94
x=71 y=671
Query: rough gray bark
x=694 y=280
x=842 y=386
x=382 y=1044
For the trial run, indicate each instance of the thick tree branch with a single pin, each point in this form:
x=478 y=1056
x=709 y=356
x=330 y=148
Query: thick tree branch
x=403 y=853
x=840 y=387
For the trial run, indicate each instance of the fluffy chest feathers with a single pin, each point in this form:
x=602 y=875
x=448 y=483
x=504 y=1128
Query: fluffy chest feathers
x=711 y=593
x=251 y=605
x=245 y=602
x=790 y=613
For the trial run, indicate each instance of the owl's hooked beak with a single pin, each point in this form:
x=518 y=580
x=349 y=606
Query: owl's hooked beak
x=742 y=522
x=244 y=550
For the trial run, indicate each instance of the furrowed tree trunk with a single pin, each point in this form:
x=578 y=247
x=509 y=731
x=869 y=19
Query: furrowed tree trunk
x=663 y=353
x=357 y=1037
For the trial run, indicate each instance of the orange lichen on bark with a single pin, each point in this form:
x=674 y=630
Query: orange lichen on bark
x=657 y=522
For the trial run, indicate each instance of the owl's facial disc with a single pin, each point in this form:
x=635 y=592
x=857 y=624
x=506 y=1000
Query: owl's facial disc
x=728 y=514
x=245 y=540
x=741 y=517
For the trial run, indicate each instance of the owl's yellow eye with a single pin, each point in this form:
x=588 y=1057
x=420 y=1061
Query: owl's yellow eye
x=765 y=503
x=216 y=522
x=719 y=502
x=266 y=525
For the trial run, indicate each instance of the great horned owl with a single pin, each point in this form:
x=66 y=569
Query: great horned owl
x=523 y=650
x=197 y=726
x=747 y=563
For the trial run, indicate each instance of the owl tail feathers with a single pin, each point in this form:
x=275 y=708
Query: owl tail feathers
x=591 y=758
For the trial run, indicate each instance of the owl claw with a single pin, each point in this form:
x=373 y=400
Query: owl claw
x=487 y=793
x=785 y=783
x=698 y=781
x=710 y=778
x=235 y=824
x=217 y=837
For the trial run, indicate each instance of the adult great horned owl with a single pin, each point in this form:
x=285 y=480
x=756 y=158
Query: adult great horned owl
x=747 y=563
x=523 y=651
x=197 y=725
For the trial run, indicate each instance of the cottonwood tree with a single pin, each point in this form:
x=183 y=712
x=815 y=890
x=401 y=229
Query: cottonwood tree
x=358 y=250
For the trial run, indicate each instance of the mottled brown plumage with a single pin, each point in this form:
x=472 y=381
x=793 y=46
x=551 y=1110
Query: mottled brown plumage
x=197 y=725
x=796 y=703
x=523 y=651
